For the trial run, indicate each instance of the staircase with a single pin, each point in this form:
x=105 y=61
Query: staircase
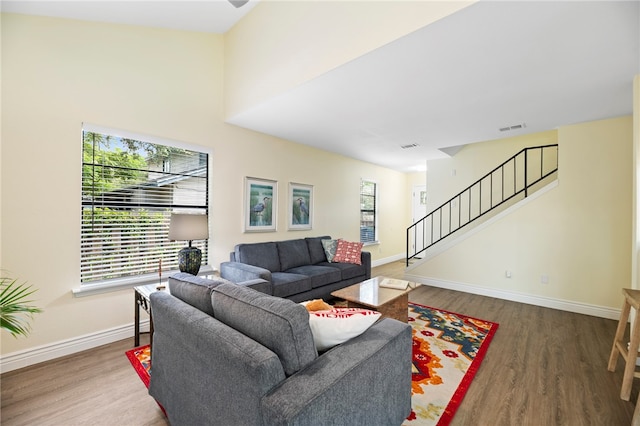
x=513 y=180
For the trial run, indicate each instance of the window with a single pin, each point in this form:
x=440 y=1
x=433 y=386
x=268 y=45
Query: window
x=130 y=187
x=368 y=212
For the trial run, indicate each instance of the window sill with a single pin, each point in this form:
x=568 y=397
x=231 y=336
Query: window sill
x=371 y=243
x=107 y=286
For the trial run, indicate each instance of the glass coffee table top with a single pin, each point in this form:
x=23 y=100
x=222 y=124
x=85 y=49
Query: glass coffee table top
x=370 y=293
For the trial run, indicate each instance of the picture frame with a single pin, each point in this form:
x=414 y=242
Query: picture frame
x=300 y=206
x=260 y=205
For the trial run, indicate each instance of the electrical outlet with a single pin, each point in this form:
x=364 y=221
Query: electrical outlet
x=507 y=274
x=544 y=279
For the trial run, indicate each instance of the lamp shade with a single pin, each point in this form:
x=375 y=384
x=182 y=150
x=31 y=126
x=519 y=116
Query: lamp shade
x=187 y=227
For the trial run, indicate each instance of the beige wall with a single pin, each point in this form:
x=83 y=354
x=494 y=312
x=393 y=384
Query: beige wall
x=579 y=233
x=282 y=44
x=447 y=177
x=58 y=74
x=0 y=144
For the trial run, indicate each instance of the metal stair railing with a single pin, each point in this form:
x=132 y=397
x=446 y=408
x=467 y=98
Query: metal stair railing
x=517 y=175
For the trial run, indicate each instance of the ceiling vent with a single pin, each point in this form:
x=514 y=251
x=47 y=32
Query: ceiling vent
x=514 y=127
x=411 y=145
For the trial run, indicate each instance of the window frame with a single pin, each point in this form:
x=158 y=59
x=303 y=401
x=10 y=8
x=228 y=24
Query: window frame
x=112 y=284
x=375 y=210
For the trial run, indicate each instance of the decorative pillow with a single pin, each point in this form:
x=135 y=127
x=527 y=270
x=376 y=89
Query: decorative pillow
x=348 y=252
x=316 y=305
x=330 y=247
x=335 y=326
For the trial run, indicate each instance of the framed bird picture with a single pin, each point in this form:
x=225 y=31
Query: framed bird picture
x=300 y=206
x=260 y=205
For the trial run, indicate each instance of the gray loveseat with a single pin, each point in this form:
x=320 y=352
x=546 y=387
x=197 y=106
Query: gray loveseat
x=295 y=269
x=249 y=359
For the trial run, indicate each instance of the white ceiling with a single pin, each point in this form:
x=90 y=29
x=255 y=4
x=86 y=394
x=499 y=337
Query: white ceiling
x=459 y=80
x=494 y=64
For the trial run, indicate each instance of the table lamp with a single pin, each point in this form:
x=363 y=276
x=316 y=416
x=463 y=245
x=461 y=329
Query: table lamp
x=189 y=227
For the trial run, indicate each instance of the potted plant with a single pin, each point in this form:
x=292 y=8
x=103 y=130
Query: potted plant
x=15 y=310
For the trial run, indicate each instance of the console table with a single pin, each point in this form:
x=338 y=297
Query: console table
x=141 y=299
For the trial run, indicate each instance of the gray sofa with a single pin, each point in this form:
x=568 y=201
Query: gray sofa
x=295 y=269
x=225 y=354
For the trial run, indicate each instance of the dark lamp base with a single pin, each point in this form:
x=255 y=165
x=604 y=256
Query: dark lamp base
x=189 y=259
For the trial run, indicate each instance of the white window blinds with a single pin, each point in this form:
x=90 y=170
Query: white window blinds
x=130 y=188
x=368 y=211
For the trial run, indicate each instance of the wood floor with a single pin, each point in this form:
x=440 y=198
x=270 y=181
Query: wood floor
x=543 y=367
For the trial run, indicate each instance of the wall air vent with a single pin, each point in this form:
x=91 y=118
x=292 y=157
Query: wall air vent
x=411 y=145
x=514 y=127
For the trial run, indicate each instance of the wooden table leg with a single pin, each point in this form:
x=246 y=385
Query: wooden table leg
x=150 y=329
x=635 y=421
x=622 y=326
x=136 y=322
x=631 y=357
x=397 y=309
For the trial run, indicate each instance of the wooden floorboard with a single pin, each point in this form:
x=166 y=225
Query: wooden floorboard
x=543 y=367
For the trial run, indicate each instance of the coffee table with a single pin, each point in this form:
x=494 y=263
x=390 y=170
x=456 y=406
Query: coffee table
x=390 y=302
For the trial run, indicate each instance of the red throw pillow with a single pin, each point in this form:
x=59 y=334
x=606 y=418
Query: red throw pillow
x=348 y=252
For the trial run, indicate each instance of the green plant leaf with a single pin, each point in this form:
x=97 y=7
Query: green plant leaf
x=15 y=311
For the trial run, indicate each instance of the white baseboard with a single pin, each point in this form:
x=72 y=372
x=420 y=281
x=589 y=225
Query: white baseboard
x=389 y=259
x=547 y=302
x=20 y=359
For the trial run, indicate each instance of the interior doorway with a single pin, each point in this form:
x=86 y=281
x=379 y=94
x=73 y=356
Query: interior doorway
x=419 y=210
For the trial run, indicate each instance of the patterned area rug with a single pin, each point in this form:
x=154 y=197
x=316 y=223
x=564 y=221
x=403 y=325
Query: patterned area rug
x=140 y=359
x=447 y=351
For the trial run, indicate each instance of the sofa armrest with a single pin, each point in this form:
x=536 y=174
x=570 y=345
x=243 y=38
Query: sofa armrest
x=366 y=380
x=238 y=272
x=365 y=258
x=263 y=286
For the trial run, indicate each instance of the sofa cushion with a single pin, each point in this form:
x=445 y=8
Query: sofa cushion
x=348 y=270
x=318 y=275
x=264 y=255
x=285 y=284
x=293 y=253
x=196 y=291
x=316 y=250
x=348 y=252
x=278 y=324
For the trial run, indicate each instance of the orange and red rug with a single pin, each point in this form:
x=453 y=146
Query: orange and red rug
x=447 y=351
x=140 y=359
